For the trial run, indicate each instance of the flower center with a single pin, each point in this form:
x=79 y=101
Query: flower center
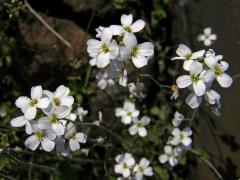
x=188 y=56
x=141 y=169
x=125 y=166
x=134 y=52
x=129 y=113
x=56 y=101
x=40 y=136
x=105 y=48
x=33 y=102
x=218 y=71
x=195 y=78
x=128 y=29
x=120 y=40
x=73 y=136
x=54 y=119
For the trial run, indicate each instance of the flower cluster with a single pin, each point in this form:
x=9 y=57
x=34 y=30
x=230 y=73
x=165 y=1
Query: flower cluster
x=178 y=143
x=129 y=114
x=116 y=48
x=48 y=120
x=127 y=167
x=202 y=68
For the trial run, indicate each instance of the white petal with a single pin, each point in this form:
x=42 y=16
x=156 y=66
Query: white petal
x=126 y=20
x=198 y=54
x=81 y=137
x=74 y=145
x=142 y=131
x=195 y=68
x=137 y=26
x=168 y=149
x=118 y=168
x=173 y=161
x=184 y=81
x=58 y=128
x=209 y=76
x=187 y=141
x=44 y=123
x=103 y=59
x=129 y=40
x=187 y=64
x=114 y=49
x=30 y=113
x=146 y=49
x=36 y=92
x=145 y=120
x=176 y=132
x=22 y=102
x=43 y=103
x=133 y=130
x=116 y=29
x=207 y=31
x=212 y=97
x=140 y=61
x=148 y=172
x=32 y=142
x=211 y=61
x=18 y=121
x=47 y=145
x=183 y=50
x=207 y=42
x=28 y=128
x=144 y=162
x=138 y=176
x=224 y=65
x=67 y=101
x=199 y=88
x=62 y=91
x=163 y=158
x=213 y=37
x=106 y=36
x=193 y=101
x=102 y=84
x=224 y=80
x=126 y=173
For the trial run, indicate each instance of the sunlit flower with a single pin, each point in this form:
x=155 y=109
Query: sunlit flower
x=207 y=37
x=29 y=106
x=60 y=97
x=103 y=50
x=181 y=137
x=127 y=113
x=74 y=137
x=142 y=169
x=139 y=126
x=125 y=162
x=186 y=54
x=170 y=155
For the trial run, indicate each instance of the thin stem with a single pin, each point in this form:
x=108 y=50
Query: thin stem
x=46 y=24
x=193 y=117
x=155 y=81
x=213 y=168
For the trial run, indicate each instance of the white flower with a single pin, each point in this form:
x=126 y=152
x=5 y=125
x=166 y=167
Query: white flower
x=127 y=113
x=104 y=80
x=103 y=50
x=136 y=90
x=181 y=137
x=29 y=106
x=22 y=121
x=178 y=118
x=142 y=168
x=60 y=97
x=207 y=37
x=125 y=164
x=75 y=138
x=196 y=79
x=217 y=70
x=211 y=96
x=81 y=113
x=72 y=117
x=55 y=120
x=99 y=31
x=170 y=155
x=127 y=25
x=138 y=126
x=139 y=53
x=185 y=53
x=40 y=137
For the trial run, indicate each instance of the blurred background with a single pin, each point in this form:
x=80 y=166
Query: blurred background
x=30 y=54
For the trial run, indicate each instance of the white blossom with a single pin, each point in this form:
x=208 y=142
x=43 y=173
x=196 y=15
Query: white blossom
x=181 y=137
x=127 y=113
x=142 y=169
x=170 y=155
x=29 y=106
x=22 y=121
x=178 y=118
x=103 y=50
x=81 y=113
x=139 y=126
x=104 y=80
x=207 y=37
x=125 y=162
x=186 y=54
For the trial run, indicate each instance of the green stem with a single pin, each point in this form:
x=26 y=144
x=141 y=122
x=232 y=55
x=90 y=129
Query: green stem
x=155 y=81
